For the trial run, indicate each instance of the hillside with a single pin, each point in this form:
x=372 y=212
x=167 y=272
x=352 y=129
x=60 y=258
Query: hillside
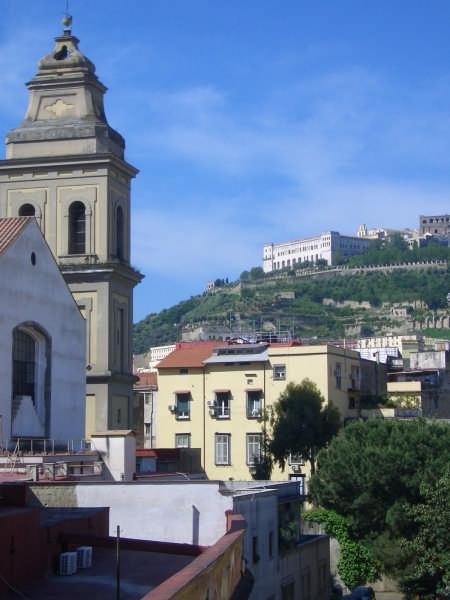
x=330 y=305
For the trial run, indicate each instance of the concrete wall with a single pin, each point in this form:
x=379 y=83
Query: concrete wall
x=38 y=294
x=190 y=513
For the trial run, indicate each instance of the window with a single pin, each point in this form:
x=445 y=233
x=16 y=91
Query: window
x=183 y=371
x=279 y=372
x=77 y=228
x=288 y=591
x=270 y=544
x=147 y=429
x=222 y=449
x=338 y=375
x=182 y=440
x=222 y=405
x=24 y=364
x=296 y=458
x=255 y=555
x=182 y=405
x=306 y=584
x=253 y=446
x=351 y=403
x=119 y=233
x=31 y=365
x=254 y=404
x=27 y=210
x=354 y=378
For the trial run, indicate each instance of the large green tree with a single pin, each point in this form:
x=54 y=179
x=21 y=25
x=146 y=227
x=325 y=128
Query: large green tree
x=383 y=477
x=301 y=423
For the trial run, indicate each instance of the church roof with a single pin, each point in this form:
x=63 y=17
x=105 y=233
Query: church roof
x=10 y=230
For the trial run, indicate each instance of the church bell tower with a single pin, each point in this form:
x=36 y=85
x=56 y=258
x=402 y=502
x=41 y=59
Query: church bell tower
x=65 y=165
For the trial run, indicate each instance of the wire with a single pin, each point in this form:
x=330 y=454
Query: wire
x=15 y=590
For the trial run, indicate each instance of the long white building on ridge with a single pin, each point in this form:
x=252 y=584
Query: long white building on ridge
x=327 y=246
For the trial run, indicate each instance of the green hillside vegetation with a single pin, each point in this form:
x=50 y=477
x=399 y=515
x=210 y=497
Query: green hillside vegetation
x=259 y=300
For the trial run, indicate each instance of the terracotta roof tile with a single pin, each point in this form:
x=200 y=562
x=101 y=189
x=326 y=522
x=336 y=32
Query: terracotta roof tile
x=146 y=379
x=10 y=229
x=189 y=354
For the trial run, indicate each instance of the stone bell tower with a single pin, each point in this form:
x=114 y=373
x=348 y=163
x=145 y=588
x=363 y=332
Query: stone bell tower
x=65 y=165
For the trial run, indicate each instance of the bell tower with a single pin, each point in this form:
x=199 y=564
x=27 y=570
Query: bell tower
x=65 y=165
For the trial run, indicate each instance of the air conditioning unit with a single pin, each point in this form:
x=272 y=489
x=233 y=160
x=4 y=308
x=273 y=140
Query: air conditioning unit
x=84 y=557
x=212 y=412
x=67 y=563
x=211 y=403
x=173 y=408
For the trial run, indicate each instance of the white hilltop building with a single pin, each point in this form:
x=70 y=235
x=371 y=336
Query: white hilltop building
x=327 y=246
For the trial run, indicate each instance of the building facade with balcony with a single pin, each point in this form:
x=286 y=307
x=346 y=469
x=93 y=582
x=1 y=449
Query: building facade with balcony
x=213 y=396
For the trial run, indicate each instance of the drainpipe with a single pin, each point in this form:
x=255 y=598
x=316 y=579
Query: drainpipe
x=203 y=457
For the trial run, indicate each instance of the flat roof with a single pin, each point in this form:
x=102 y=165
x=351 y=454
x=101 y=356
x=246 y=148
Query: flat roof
x=140 y=572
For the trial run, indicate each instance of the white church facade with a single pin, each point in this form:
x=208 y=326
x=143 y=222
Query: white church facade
x=42 y=342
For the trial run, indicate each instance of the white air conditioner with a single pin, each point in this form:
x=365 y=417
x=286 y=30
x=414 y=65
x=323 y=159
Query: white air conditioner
x=67 y=563
x=211 y=403
x=212 y=412
x=84 y=557
x=173 y=408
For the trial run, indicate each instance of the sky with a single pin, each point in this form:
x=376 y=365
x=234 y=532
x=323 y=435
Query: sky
x=254 y=121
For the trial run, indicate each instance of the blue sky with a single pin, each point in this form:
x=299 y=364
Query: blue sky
x=255 y=121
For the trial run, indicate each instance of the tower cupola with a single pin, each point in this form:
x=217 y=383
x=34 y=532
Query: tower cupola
x=65 y=111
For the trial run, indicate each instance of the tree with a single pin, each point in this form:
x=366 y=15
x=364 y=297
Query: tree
x=300 y=424
x=428 y=569
x=256 y=273
x=375 y=475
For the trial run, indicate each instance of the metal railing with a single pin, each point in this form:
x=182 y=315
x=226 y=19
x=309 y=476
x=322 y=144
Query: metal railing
x=49 y=446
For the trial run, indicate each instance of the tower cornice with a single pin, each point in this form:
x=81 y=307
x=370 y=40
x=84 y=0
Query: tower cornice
x=76 y=160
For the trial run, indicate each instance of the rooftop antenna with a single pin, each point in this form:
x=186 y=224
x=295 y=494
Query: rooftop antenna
x=67 y=20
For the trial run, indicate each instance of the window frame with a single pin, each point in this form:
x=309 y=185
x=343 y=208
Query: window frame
x=185 y=415
x=77 y=228
x=253 y=413
x=251 y=462
x=279 y=372
x=226 y=441
x=183 y=435
x=222 y=407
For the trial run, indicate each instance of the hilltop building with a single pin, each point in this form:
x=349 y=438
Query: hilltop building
x=382 y=233
x=327 y=246
x=212 y=396
x=435 y=225
x=65 y=166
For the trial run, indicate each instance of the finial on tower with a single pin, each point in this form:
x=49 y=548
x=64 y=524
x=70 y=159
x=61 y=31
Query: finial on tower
x=67 y=20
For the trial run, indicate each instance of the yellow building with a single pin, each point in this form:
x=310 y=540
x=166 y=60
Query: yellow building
x=212 y=395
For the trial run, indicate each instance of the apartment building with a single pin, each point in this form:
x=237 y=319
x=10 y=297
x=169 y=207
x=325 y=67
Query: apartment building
x=212 y=395
x=327 y=246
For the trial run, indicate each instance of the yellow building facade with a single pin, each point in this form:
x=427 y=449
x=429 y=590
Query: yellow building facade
x=212 y=397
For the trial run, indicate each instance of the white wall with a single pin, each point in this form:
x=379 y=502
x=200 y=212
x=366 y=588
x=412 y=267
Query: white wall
x=39 y=294
x=189 y=513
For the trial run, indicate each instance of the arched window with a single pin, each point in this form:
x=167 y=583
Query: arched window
x=119 y=233
x=31 y=389
x=77 y=228
x=24 y=364
x=27 y=210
